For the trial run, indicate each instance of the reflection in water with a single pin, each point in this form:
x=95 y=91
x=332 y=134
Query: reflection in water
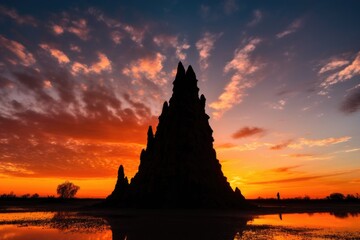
x=177 y=227
x=344 y=214
x=71 y=225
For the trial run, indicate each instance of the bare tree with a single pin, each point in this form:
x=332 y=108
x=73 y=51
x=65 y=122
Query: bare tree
x=67 y=190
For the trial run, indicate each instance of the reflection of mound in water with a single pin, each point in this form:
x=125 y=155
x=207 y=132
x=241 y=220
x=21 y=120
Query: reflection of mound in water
x=176 y=227
x=75 y=222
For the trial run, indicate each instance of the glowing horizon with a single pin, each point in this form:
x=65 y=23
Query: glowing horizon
x=80 y=84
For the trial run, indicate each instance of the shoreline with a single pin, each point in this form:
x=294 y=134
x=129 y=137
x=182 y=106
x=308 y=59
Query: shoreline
x=261 y=207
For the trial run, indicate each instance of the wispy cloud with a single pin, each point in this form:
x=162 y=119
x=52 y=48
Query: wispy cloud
x=116 y=37
x=284 y=169
x=19 y=50
x=281 y=145
x=77 y=27
x=248 y=131
x=205 y=45
x=300 y=155
x=225 y=146
x=19 y=19
x=75 y=48
x=292 y=28
x=148 y=67
x=241 y=80
x=101 y=17
x=279 y=105
x=242 y=147
x=302 y=178
x=168 y=41
x=332 y=65
x=59 y=55
x=136 y=34
x=257 y=17
x=351 y=70
x=303 y=142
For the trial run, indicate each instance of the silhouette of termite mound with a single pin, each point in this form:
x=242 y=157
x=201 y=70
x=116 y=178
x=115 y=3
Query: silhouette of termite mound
x=178 y=168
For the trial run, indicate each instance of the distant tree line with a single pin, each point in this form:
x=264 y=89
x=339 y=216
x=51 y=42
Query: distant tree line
x=12 y=195
x=332 y=197
x=64 y=190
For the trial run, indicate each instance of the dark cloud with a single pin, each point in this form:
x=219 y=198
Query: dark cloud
x=281 y=145
x=248 y=131
x=351 y=103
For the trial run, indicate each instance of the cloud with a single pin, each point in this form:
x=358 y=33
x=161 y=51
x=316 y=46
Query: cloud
x=303 y=142
x=243 y=147
x=257 y=17
x=77 y=27
x=332 y=65
x=242 y=78
x=248 y=131
x=80 y=133
x=149 y=67
x=278 y=105
x=352 y=150
x=302 y=179
x=102 y=65
x=116 y=37
x=205 y=46
x=57 y=29
x=19 y=19
x=136 y=34
x=281 y=145
x=101 y=17
x=352 y=102
x=225 y=146
x=19 y=50
x=300 y=155
x=75 y=48
x=284 y=169
x=173 y=41
x=59 y=55
x=293 y=27
x=346 y=73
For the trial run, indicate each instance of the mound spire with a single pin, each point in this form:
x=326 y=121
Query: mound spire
x=178 y=168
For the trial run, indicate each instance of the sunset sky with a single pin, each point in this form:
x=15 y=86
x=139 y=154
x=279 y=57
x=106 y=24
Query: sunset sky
x=81 y=81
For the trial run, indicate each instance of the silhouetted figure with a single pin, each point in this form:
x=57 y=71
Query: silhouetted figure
x=278 y=196
x=178 y=168
x=280 y=216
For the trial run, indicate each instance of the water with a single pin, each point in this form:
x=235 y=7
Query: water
x=72 y=225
